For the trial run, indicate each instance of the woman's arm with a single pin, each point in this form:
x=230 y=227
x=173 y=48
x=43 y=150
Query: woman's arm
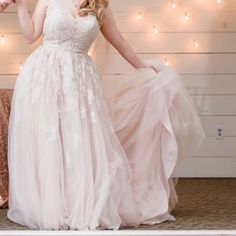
x=31 y=26
x=111 y=32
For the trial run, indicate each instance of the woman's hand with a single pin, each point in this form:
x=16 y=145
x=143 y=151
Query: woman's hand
x=18 y=1
x=152 y=67
x=4 y=4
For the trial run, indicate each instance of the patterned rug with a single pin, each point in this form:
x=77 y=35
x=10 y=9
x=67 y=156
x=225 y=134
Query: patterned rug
x=205 y=204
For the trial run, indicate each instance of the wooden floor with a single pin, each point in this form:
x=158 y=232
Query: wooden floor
x=205 y=204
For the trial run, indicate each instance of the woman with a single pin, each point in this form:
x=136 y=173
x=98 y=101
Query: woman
x=67 y=167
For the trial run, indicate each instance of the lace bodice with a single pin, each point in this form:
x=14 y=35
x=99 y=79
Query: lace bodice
x=62 y=29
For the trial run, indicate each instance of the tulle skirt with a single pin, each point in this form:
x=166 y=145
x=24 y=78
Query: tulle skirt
x=158 y=126
x=73 y=167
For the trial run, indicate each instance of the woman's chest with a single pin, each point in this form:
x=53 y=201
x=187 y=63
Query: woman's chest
x=63 y=25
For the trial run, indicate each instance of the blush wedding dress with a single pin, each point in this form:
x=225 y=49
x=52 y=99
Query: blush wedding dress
x=79 y=161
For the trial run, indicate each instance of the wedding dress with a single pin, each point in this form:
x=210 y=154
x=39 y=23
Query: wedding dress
x=77 y=162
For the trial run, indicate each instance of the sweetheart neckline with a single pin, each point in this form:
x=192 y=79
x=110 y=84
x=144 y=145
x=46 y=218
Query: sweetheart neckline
x=77 y=17
x=67 y=12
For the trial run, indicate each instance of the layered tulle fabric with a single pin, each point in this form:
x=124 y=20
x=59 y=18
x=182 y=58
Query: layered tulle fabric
x=67 y=167
x=146 y=98
x=157 y=124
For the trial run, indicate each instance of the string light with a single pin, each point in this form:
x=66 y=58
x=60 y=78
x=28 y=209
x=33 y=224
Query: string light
x=167 y=63
x=156 y=30
x=173 y=4
x=186 y=16
x=2 y=39
x=140 y=15
x=20 y=66
x=196 y=44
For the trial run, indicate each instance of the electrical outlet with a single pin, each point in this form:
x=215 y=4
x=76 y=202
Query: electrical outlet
x=219 y=132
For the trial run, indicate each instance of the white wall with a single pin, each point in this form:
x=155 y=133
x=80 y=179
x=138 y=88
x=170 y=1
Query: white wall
x=208 y=71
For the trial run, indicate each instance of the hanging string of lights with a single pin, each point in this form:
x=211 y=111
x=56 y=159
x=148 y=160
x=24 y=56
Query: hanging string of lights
x=156 y=28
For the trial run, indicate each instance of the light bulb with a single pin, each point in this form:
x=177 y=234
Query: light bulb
x=140 y=16
x=20 y=66
x=196 y=44
x=156 y=30
x=167 y=63
x=2 y=39
x=219 y=1
x=173 y=4
x=186 y=16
